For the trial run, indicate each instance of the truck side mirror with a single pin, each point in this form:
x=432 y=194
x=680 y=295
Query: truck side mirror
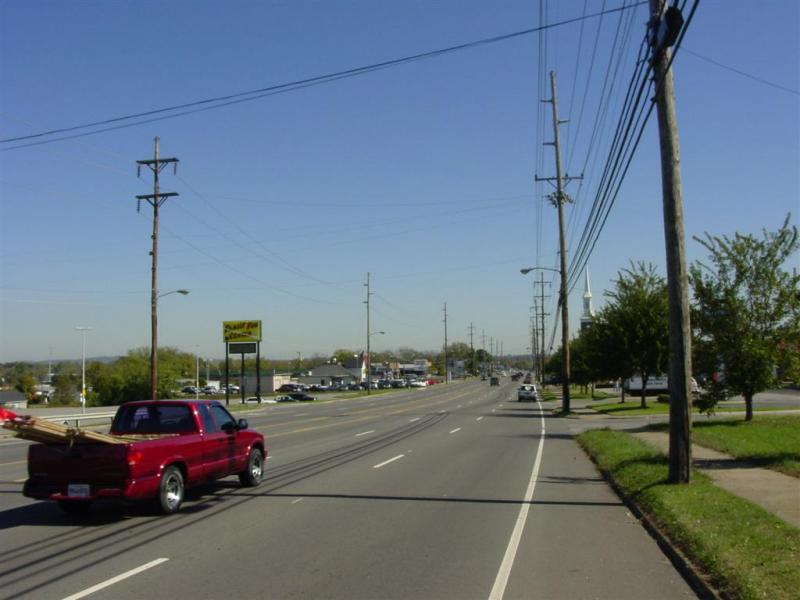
x=242 y=424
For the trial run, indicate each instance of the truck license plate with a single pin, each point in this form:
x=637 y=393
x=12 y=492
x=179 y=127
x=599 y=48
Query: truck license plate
x=78 y=490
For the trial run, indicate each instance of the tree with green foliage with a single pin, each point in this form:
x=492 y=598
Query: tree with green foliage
x=637 y=318
x=746 y=310
x=66 y=388
x=605 y=350
x=26 y=385
x=343 y=356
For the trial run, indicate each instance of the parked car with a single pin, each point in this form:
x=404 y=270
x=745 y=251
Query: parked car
x=527 y=393
x=189 y=389
x=288 y=387
x=302 y=397
x=284 y=398
x=421 y=383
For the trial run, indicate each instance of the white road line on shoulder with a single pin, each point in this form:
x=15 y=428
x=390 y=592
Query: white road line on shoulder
x=456 y=429
x=414 y=419
x=296 y=501
x=365 y=433
x=386 y=462
x=501 y=581
x=479 y=418
x=16 y=462
x=117 y=579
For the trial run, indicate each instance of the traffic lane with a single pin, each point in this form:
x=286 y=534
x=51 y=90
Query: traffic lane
x=422 y=526
x=42 y=551
x=13 y=473
x=595 y=547
x=320 y=422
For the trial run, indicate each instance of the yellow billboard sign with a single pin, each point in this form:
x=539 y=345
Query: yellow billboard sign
x=241 y=331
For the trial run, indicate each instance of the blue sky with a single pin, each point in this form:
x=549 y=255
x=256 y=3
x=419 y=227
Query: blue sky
x=421 y=174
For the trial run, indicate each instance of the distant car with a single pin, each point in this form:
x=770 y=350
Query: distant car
x=210 y=390
x=233 y=389
x=287 y=387
x=284 y=398
x=189 y=389
x=418 y=383
x=301 y=397
x=527 y=393
x=262 y=400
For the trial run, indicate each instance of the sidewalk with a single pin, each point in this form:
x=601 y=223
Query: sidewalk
x=773 y=491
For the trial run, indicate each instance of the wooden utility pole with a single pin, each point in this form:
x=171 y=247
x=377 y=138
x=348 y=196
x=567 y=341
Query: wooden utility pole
x=663 y=32
x=156 y=199
x=369 y=358
x=445 y=343
x=559 y=199
x=542 y=315
x=471 y=349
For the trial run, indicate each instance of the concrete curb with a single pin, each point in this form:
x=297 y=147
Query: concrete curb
x=694 y=576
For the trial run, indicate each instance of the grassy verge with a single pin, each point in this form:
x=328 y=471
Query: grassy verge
x=575 y=393
x=746 y=551
x=768 y=441
x=633 y=407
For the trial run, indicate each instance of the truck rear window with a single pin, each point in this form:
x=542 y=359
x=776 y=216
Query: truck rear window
x=154 y=419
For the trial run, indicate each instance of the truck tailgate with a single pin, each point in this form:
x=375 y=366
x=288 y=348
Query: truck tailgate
x=52 y=468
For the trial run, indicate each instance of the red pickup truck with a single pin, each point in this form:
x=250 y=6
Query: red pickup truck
x=162 y=447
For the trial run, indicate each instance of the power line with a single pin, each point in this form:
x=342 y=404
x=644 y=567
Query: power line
x=742 y=73
x=229 y=99
x=610 y=196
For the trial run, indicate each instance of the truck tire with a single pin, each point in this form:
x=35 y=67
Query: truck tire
x=170 y=490
x=251 y=476
x=75 y=507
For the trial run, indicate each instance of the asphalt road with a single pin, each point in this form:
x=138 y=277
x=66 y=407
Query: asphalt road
x=448 y=492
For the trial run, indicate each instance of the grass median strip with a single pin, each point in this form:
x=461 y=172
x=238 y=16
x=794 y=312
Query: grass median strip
x=746 y=551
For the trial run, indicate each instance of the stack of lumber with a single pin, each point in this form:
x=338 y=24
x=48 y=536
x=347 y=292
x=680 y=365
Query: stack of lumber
x=47 y=432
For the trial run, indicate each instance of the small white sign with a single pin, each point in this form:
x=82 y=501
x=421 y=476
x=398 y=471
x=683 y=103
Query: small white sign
x=78 y=490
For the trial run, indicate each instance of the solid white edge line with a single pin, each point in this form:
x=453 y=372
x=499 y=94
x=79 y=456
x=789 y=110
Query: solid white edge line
x=479 y=418
x=456 y=429
x=117 y=579
x=414 y=419
x=503 y=574
x=365 y=432
x=386 y=462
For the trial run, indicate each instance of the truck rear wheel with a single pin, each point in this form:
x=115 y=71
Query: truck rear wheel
x=170 y=491
x=251 y=476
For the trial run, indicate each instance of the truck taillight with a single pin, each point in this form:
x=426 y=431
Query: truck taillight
x=134 y=457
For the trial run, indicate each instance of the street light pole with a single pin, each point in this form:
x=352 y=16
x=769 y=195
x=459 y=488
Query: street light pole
x=154 y=334
x=83 y=329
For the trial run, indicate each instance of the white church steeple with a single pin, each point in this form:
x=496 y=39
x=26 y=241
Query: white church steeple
x=588 y=309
